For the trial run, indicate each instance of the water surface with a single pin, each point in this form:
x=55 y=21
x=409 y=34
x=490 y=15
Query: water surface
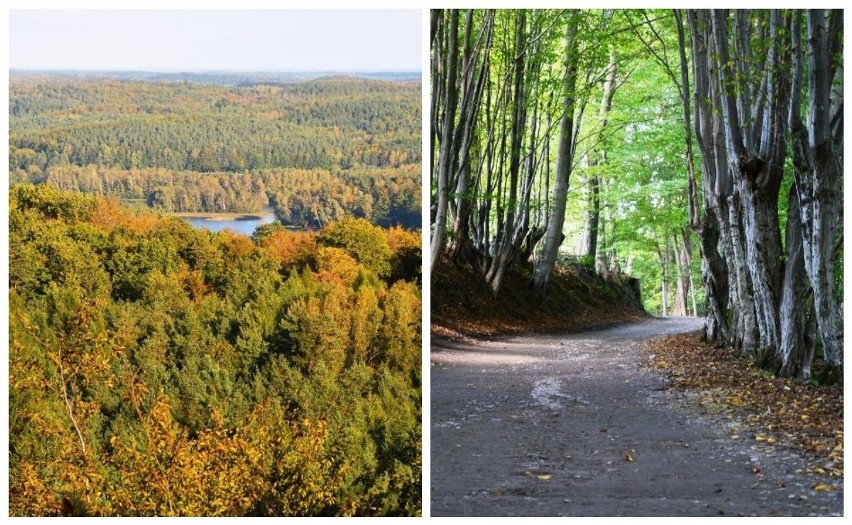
x=244 y=224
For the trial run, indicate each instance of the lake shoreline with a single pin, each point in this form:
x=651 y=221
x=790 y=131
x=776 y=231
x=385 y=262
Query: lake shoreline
x=213 y=216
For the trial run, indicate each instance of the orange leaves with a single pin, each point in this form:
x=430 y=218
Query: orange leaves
x=180 y=385
x=290 y=248
x=30 y=494
x=193 y=283
x=337 y=263
x=109 y=214
x=234 y=245
x=401 y=240
x=463 y=304
x=365 y=242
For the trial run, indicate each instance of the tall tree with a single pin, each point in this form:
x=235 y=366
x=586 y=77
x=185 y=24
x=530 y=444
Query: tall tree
x=446 y=46
x=597 y=155
x=817 y=152
x=565 y=158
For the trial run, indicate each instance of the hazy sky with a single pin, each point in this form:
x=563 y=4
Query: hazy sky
x=167 y=40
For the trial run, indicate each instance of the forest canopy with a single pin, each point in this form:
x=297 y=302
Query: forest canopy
x=155 y=369
x=183 y=146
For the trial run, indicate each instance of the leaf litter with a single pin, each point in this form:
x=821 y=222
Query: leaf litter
x=775 y=412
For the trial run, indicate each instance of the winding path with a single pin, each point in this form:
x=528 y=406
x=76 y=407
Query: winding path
x=575 y=425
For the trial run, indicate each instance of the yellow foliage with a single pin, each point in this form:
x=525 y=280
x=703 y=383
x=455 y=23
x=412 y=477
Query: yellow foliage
x=235 y=245
x=338 y=263
x=174 y=474
x=400 y=239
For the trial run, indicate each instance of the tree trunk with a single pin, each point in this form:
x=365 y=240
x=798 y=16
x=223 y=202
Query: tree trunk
x=758 y=174
x=682 y=250
x=597 y=158
x=590 y=237
x=445 y=160
x=745 y=334
x=794 y=356
x=509 y=242
x=664 y=273
x=715 y=279
x=553 y=236
x=473 y=83
x=818 y=179
x=714 y=274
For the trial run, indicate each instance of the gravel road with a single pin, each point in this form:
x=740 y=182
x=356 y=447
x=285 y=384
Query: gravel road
x=576 y=425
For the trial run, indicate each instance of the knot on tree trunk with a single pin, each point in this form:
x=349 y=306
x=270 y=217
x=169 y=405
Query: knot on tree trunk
x=750 y=165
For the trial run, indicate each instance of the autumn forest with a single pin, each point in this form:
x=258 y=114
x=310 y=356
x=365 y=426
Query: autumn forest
x=158 y=369
x=634 y=263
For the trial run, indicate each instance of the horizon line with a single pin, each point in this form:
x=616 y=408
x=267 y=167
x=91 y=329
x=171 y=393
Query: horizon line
x=235 y=70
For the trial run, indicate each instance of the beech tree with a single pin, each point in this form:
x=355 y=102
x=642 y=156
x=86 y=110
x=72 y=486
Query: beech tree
x=713 y=157
x=503 y=86
x=817 y=155
x=565 y=154
x=748 y=91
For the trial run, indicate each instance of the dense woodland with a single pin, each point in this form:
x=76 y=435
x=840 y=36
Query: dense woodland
x=155 y=369
x=160 y=370
x=700 y=151
x=190 y=147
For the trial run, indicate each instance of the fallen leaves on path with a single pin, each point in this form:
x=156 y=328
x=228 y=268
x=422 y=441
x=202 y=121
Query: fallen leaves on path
x=775 y=411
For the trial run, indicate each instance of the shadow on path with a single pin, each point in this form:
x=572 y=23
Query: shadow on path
x=575 y=425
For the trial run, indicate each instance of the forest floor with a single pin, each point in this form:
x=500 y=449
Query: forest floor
x=464 y=308
x=534 y=413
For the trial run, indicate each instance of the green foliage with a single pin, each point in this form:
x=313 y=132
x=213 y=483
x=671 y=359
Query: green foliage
x=159 y=370
x=643 y=191
x=130 y=125
x=366 y=243
x=342 y=147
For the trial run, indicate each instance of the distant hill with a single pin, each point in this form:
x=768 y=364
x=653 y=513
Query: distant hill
x=222 y=78
x=316 y=150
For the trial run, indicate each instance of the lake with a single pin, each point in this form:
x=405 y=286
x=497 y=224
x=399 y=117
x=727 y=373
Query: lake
x=244 y=224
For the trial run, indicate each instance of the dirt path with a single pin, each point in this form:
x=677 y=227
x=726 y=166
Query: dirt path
x=575 y=425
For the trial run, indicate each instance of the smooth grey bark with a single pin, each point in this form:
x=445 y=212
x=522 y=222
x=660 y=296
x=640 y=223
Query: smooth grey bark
x=714 y=276
x=694 y=209
x=758 y=173
x=745 y=335
x=596 y=158
x=795 y=355
x=445 y=160
x=475 y=67
x=819 y=174
x=509 y=241
x=553 y=236
x=822 y=237
x=683 y=253
x=458 y=243
x=716 y=184
x=759 y=104
x=436 y=85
